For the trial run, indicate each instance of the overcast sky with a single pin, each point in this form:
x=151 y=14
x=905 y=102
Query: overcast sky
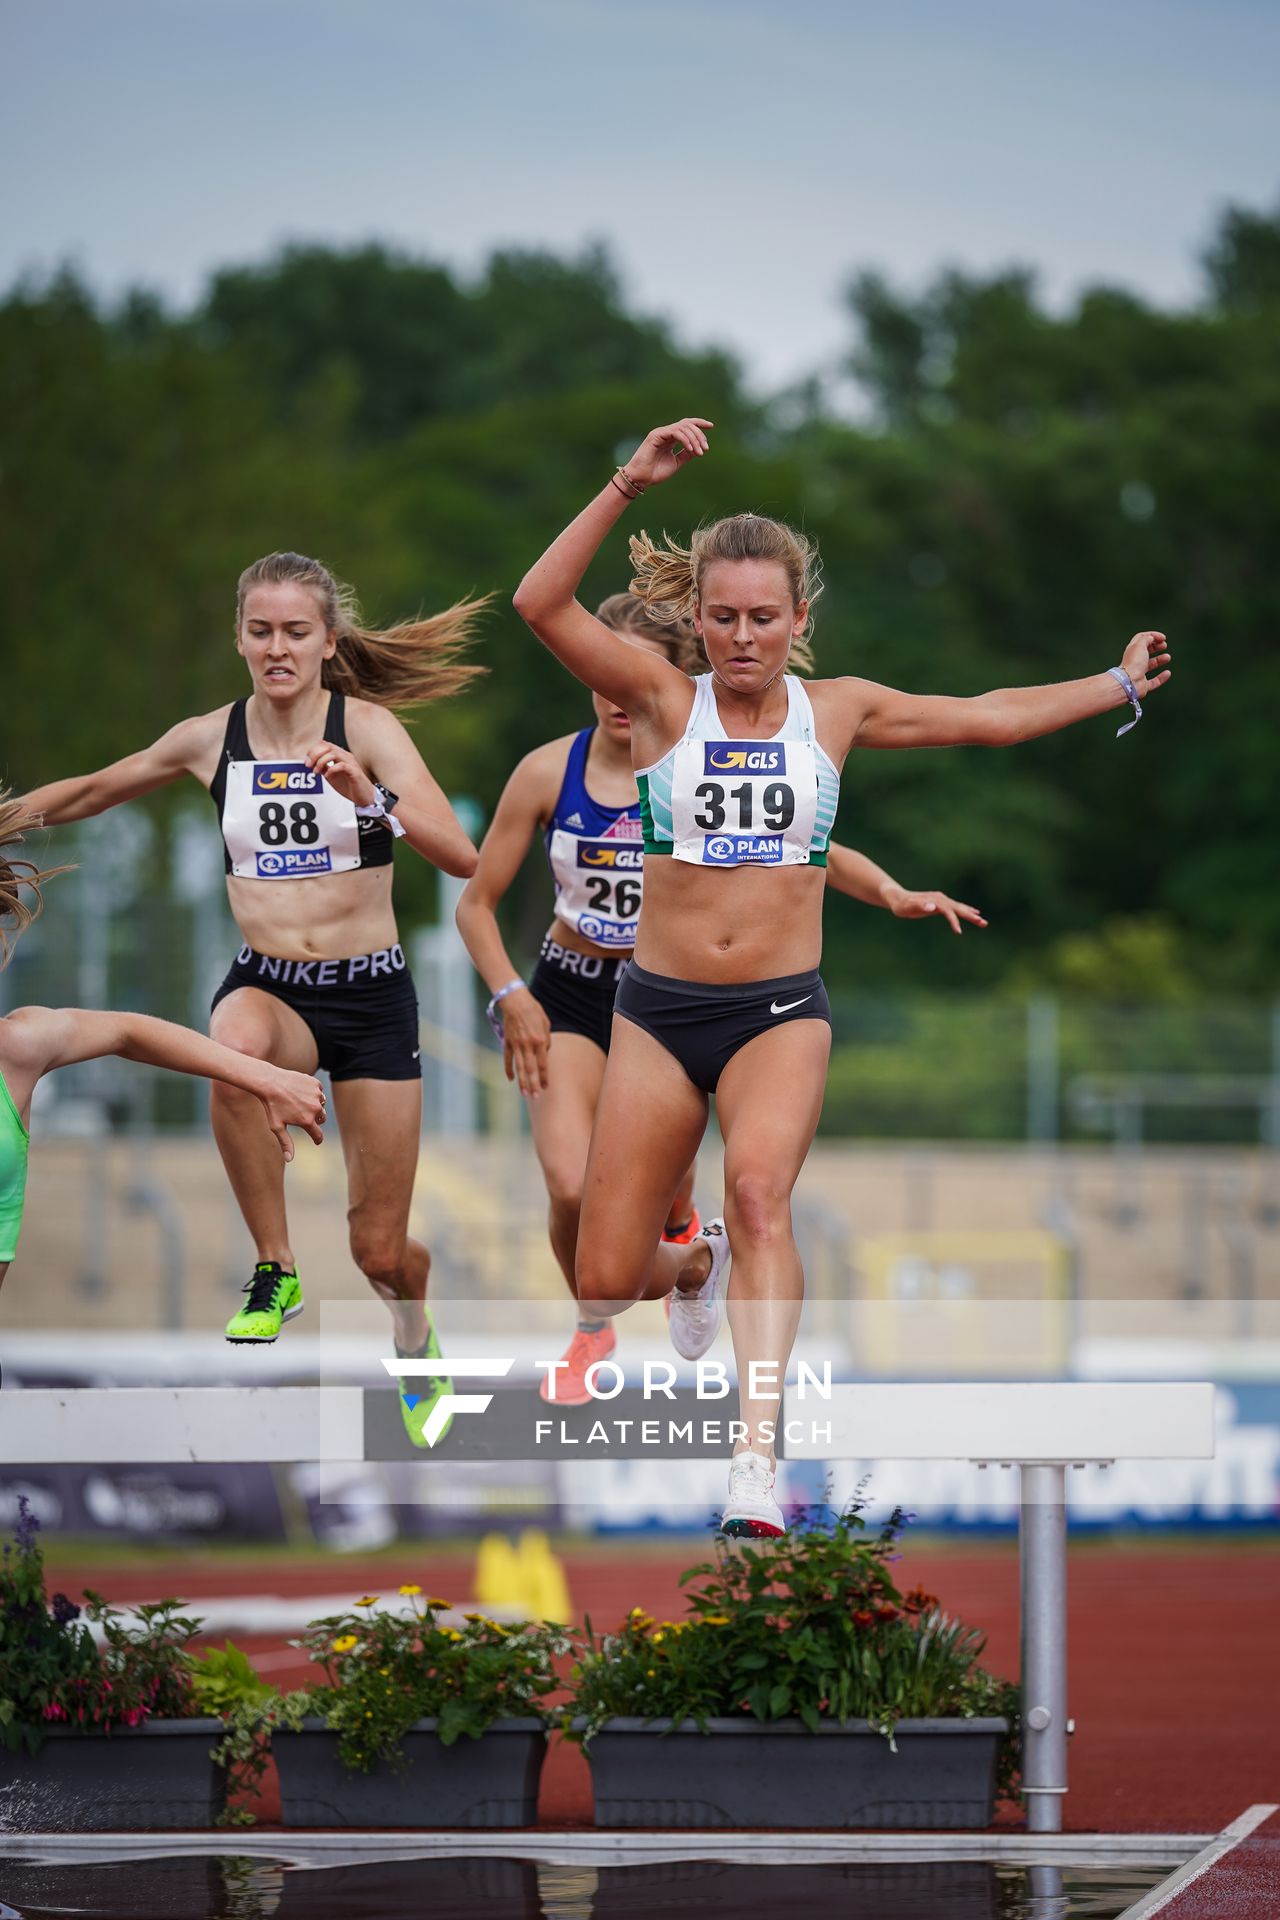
x=741 y=157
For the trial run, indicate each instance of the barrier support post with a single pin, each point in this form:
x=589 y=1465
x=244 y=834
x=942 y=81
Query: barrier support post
x=1043 y=1575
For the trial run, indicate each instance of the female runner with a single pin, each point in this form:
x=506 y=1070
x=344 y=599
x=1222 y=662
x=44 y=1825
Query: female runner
x=579 y=792
x=35 y=1040
x=314 y=778
x=739 y=776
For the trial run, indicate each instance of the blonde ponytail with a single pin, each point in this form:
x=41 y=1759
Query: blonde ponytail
x=662 y=578
x=400 y=667
x=17 y=820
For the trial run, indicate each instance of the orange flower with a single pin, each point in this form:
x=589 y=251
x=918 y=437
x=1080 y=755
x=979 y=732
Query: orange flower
x=862 y=1618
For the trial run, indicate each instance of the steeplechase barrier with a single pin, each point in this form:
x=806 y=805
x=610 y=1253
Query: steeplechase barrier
x=1041 y=1429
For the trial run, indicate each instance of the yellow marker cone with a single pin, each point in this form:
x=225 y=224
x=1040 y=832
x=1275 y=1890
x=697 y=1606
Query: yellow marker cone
x=544 y=1587
x=499 y=1580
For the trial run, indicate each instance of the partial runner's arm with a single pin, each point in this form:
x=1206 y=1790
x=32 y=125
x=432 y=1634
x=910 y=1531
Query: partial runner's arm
x=524 y=807
x=879 y=716
x=383 y=751
x=36 y=1040
x=634 y=678
x=851 y=872
x=179 y=751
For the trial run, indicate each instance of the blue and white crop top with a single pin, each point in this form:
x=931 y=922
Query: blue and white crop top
x=717 y=802
x=597 y=857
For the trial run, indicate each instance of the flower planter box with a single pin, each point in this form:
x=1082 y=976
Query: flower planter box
x=776 y=1773
x=490 y=1782
x=160 y=1774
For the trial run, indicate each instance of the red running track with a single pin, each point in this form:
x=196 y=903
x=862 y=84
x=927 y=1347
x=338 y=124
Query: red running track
x=1174 y=1655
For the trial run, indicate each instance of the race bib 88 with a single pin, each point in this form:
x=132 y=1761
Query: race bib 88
x=282 y=821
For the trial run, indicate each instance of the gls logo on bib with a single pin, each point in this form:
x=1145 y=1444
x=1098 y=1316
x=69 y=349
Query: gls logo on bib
x=606 y=853
x=285 y=779
x=744 y=756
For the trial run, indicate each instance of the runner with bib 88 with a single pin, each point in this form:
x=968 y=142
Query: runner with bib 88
x=314 y=779
x=739 y=774
x=580 y=794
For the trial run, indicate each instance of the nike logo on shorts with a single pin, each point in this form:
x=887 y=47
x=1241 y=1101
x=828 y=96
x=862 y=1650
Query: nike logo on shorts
x=789 y=1004
x=415 y=1053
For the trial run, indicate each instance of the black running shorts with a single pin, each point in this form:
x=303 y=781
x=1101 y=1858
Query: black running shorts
x=576 y=990
x=362 y=1011
x=704 y=1023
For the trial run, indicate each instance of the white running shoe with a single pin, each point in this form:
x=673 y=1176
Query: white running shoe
x=751 y=1509
x=696 y=1318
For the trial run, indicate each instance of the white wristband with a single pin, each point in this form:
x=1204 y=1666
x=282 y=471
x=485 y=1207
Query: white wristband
x=378 y=811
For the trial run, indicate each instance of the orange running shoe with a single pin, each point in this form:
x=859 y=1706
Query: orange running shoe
x=571 y=1376
x=687 y=1234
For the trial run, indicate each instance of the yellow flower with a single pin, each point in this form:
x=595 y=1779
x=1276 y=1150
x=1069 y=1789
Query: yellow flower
x=653 y=1673
x=478 y=1619
x=659 y=1637
x=345 y=1643
x=715 y=1619
x=451 y=1633
x=409 y=1590
x=443 y=1605
x=370 y=1600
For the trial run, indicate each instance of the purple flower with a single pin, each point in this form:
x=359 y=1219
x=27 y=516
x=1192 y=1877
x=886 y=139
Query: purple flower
x=27 y=1527
x=63 y=1610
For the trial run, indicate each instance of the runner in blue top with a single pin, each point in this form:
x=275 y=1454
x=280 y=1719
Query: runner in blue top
x=739 y=776
x=580 y=794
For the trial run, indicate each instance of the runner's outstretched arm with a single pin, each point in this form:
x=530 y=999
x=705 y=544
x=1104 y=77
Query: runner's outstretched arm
x=851 y=872
x=39 y=1039
x=166 y=759
x=546 y=598
x=885 y=717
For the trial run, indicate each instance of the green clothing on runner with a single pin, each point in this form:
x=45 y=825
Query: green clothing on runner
x=15 y=1144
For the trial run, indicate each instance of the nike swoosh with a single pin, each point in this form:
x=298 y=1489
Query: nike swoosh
x=416 y=1052
x=775 y=1008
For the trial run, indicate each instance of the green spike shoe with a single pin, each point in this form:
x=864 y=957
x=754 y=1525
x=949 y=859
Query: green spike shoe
x=274 y=1296
x=420 y=1392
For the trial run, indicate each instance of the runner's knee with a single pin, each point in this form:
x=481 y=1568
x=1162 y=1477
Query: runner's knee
x=378 y=1253
x=757 y=1208
x=602 y=1274
x=243 y=1033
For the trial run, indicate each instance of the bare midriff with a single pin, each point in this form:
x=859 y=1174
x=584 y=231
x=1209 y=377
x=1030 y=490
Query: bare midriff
x=749 y=923
x=326 y=918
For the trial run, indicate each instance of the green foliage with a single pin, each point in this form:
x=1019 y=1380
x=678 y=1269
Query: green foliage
x=1036 y=487
x=52 y=1671
x=811 y=1626
x=384 y=1670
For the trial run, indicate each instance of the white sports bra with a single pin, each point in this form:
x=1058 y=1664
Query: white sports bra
x=717 y=802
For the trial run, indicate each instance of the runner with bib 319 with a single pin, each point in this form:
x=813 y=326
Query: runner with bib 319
x=739 y=776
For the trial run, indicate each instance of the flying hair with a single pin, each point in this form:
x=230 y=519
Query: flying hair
x=667 y=578
x=622 y=613
x=400 y=667
x=16 y=821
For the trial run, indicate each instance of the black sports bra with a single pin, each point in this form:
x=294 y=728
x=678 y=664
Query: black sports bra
x=282 y=821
